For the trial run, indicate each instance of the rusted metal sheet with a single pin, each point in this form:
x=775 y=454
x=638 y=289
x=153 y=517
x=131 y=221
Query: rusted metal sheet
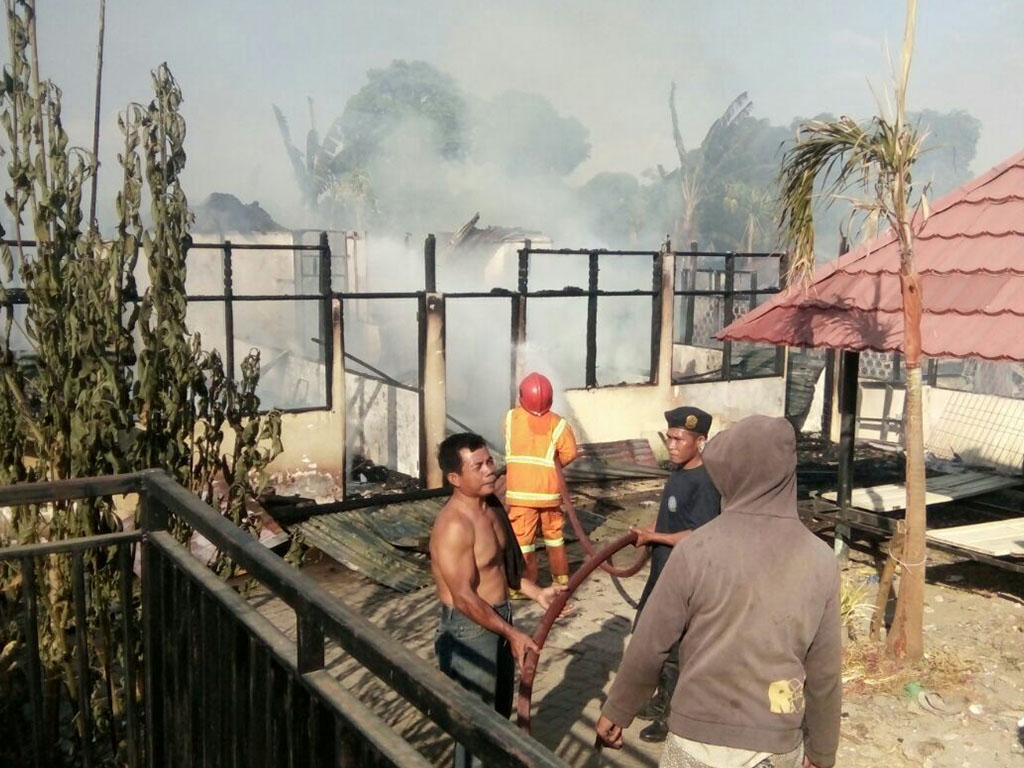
x=384 y=543
x=388 y=543
x=618 y=452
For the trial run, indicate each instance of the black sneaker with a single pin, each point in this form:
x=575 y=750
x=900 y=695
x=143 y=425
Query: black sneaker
x=655 y=733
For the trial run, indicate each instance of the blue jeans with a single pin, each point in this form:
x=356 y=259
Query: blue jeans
x=478 y=660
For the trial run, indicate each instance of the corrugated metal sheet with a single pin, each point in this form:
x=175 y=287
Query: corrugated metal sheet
x=619 y=451
x=970 y=255
x=388 y=543
x=1000 y=538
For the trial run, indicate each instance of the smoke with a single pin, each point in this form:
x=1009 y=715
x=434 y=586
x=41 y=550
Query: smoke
x=540 y=83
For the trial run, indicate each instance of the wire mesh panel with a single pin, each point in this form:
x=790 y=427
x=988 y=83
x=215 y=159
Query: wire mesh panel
x=881 y=366
x=980 y=429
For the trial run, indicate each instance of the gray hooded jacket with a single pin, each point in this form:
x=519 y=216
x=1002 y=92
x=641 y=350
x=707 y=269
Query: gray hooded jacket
x=755 y=597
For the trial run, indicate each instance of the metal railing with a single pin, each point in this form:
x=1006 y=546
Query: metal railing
x=222 y=686
x=722 y=285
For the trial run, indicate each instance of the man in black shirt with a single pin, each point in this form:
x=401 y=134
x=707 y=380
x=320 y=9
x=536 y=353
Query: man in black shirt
x=688 y=501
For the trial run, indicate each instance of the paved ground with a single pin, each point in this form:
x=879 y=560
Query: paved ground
x=973 y=611
x=579 y=657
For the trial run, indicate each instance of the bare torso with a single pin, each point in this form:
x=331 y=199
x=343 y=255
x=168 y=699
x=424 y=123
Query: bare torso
x=477 y=529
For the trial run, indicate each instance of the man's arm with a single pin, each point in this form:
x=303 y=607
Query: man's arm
x=661 y=625
x=453 y=554
x=566 y=446
x=823 y=687
x=646 y=537
x=542 y=597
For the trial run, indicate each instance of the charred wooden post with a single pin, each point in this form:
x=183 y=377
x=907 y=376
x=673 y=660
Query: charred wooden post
x=830 y=404
x=727 y=313
x=229 y=313
x=518 y=335
x=324 y=274
x=830 y=417
x=430 y=264
x=657 y=312
x=849 y=369
x=932 y=372
x=592 y=288
x=691 y=300
x=667 y=303
x=433 y=410
x=336 y=396
x=781 y=352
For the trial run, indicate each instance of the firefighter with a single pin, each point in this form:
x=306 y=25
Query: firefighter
x=535 y=438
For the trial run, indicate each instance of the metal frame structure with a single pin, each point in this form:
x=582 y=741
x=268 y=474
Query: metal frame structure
x=431 y=313
x=223 y=686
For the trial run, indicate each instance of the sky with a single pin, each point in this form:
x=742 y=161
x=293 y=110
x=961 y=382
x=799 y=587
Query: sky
x=607 y=63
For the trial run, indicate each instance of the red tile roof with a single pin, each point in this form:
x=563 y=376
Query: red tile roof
x=970 y=256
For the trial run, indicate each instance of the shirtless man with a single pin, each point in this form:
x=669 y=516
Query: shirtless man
x=474 y=558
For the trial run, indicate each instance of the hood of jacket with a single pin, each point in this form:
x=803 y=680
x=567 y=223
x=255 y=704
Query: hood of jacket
x=753 y=465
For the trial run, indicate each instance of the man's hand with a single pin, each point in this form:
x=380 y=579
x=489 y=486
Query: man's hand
x=521 y=644
x=809 y=764
x=643 y=536
x=546 y=596
x=608 y=733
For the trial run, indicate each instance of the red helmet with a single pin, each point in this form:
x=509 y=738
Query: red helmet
x=535 y=394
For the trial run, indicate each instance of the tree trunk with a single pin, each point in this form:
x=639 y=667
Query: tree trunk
x=905 y=639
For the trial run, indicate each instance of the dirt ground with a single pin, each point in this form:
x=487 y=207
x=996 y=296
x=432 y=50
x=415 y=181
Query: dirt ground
x=975 y=663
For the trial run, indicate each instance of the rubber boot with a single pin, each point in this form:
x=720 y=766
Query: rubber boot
x=529 y=572
x=655 y=707
x=657 y=731
x=558 y=562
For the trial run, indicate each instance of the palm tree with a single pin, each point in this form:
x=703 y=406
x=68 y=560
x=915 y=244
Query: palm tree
x=698 y=166
x=876 y=156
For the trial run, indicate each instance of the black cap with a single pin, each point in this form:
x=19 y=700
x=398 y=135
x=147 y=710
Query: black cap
x=689 y=418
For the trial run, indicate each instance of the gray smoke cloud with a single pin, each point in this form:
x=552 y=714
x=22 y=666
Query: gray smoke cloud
x=601 y=65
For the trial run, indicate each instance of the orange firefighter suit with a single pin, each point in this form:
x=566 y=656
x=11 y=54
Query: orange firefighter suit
x=532 y=443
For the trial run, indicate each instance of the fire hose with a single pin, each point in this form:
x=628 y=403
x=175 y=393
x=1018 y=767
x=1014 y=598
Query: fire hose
x=529 y=670
x=588 y=547
x=595 y=559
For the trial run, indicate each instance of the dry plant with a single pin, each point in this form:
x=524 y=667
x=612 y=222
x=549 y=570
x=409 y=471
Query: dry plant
x=855 y=606
x=868 y=669
x=112 y=381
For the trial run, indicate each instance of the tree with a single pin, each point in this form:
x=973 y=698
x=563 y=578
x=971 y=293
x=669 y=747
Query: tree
x=525 y=136
x=698 y=166
x=613 y=207
x=878 y=157
x=403 y=93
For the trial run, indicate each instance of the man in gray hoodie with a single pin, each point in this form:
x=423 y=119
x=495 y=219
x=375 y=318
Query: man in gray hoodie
x=754 y=597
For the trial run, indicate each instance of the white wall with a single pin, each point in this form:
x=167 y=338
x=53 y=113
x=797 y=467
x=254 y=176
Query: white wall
x=383 y=423
x=621 y=413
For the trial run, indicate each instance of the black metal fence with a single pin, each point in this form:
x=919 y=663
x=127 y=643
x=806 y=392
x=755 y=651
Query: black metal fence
x=213 y=682
x=711 y=292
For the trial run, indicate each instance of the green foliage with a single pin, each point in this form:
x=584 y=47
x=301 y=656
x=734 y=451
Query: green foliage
x=404 y=92
x=111 y=381
x=839 y=156
x=524 y=135
x=614 y=207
